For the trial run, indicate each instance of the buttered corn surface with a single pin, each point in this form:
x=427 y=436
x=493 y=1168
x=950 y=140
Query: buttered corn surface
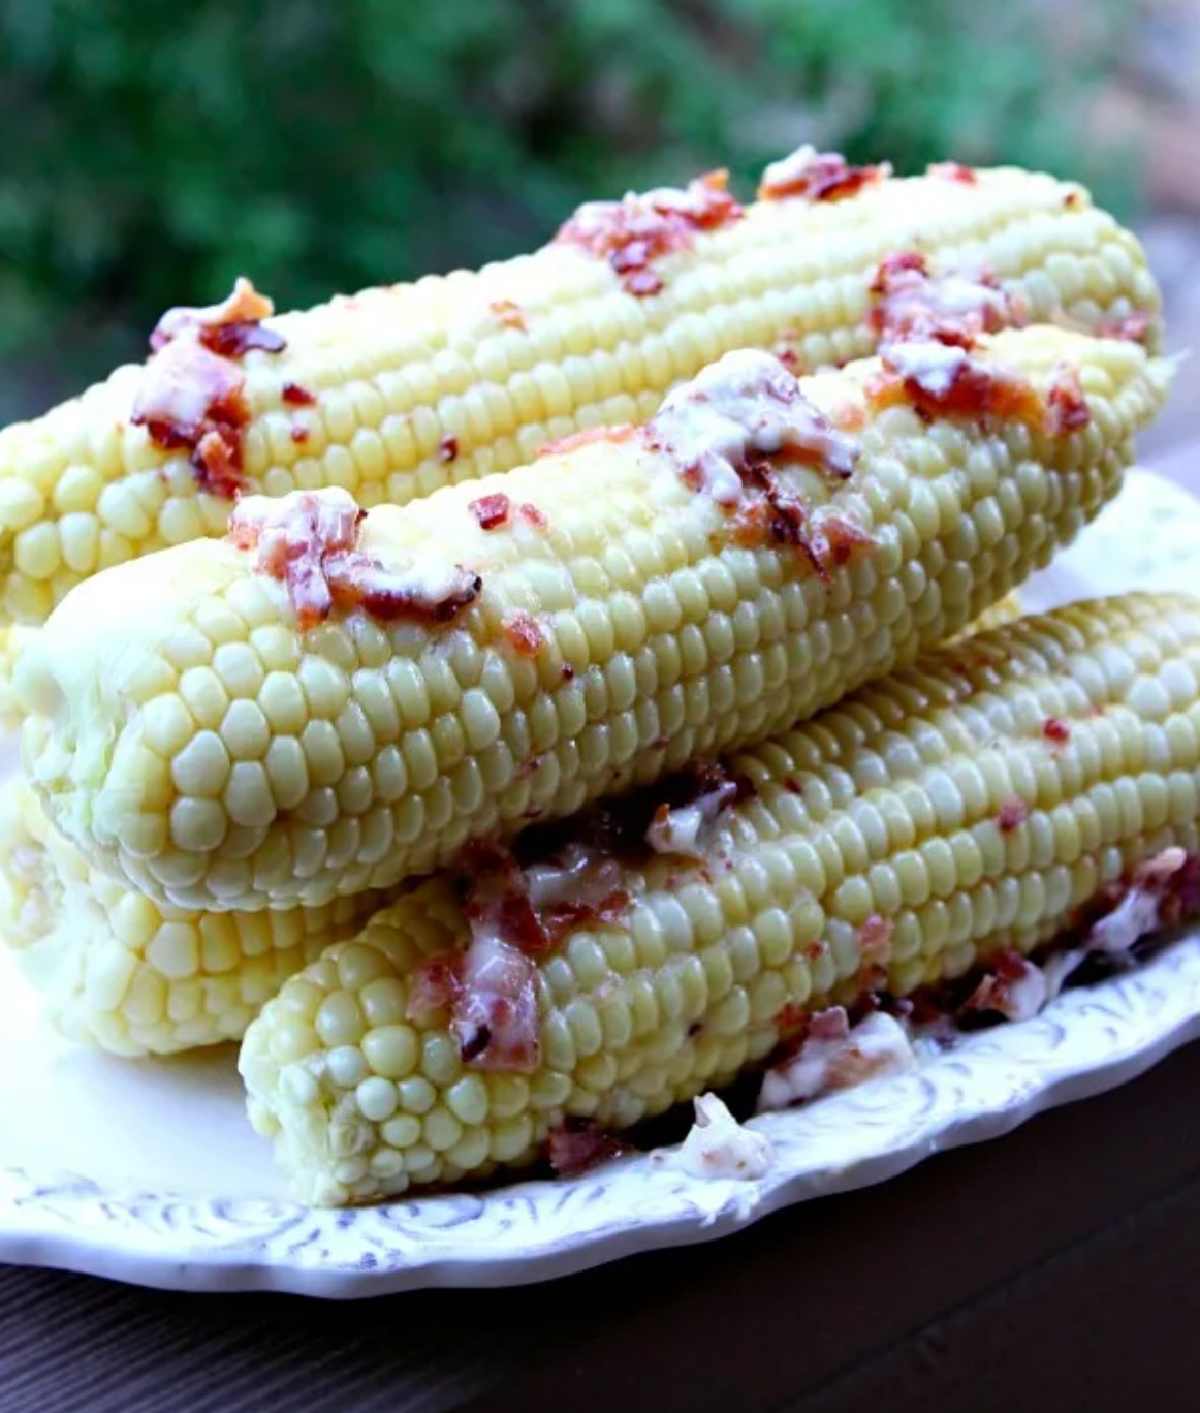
x=190 y=738
x=898 y=806
x=397 y=391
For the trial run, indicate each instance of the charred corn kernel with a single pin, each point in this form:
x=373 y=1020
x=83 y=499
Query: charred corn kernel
x=567 y=714
x=397 y=391
x=12 y=709
x=1120 y=680
x=116 y=971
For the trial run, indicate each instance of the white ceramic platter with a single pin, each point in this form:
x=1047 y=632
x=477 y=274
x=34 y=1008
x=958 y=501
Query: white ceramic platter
x=149 y=1172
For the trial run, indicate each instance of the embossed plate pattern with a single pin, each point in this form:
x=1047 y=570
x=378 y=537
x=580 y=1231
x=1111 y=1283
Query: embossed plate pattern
x=149 y=1173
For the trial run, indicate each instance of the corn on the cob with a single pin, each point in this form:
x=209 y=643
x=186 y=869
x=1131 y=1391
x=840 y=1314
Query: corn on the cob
x=12 y=640
x=117 y=972
x=396 y=391
x=963 y=807
x=195 y=737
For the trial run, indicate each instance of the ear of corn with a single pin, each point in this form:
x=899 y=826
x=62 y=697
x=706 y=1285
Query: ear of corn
x=396 y=391
x=889 y=818
x=115 y=971
x=192 y=738
x=12 y=640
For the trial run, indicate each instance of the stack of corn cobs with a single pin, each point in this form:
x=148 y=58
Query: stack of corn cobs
x=516 y=703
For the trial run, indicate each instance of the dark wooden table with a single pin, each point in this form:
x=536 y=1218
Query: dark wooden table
x=1057 y=1269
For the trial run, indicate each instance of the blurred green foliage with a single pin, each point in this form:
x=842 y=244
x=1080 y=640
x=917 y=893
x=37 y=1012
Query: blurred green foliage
x=151 y=152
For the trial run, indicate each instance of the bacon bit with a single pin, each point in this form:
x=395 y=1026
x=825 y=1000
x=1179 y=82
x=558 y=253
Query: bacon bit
x=1066 y=406
x=1072 y=200
x=726 y=427
x=835 y=1055
x=524 y=633
x=790 y=360
x=568 y=672
x=536 y=905
x=792 y=785
x=189 y=397
x=953 y=172
x=814 y=951
x=912 y=305
x=631 y=234
x=532 y=515
x=228 y=329
x=308 y=540
x=296 y=396
x=1013 y=987
x=192 y=392
x=1013 y=813
x=577 y=1145
x=448 y=449
x=494 y=1014
x=770 y=516
x=820 y=176
x=491 y=511
x=617 y=828
x=1133 y=327
x=1174 y=876
x=1056 y=730
x=793 y=1019
x=875 y=940
x=683 y=829
x=508 y=313
x=939 y=380
x=299 y=434
x=835 y=541
x=565 y=445
x=434 y=984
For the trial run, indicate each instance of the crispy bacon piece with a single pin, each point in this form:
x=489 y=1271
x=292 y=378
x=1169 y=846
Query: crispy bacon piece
x=228 y=329
x=912 y=305
x=1013 y=813
x=635 y=232
x=953 y=172
x=448 y=449
x=308 y=540
x=1133 y=326
x=434 y=984
x=524 y=633
x=491 y=511
x=737 y=420
x=192 y=391
x=1066 y=407
x=1056 y=730
x=577 y=1145
x=299 y=434
x=494 y=1013
x=296 y=396
x=508 y=313
x=1012 y=987
x=819 y=176
x=529 y=512
x=875 y=940
x=941 y=380
x=769 y=515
